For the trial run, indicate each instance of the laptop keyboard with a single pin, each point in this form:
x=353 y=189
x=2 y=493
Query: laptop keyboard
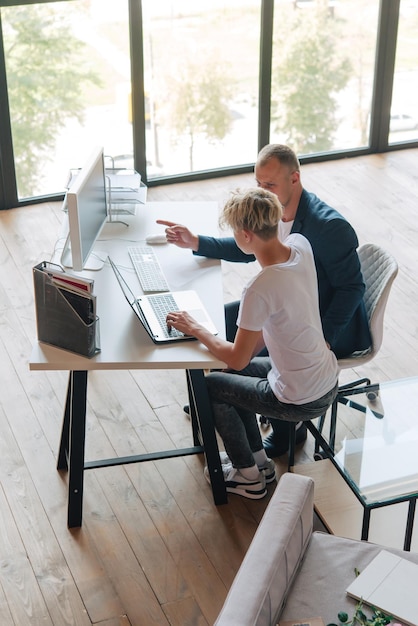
x=161 y=305
x=148 y=269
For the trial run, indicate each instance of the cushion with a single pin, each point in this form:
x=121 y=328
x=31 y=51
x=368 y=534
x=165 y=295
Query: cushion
x=326 y=572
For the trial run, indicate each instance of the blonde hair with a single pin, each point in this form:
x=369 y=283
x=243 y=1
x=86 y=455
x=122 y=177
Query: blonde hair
x=256 y=210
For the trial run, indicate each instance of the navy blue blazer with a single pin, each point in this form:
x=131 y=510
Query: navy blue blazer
x=340 y=282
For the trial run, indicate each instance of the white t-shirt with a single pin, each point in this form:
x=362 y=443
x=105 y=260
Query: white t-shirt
x=282 y=301
x=284 y=229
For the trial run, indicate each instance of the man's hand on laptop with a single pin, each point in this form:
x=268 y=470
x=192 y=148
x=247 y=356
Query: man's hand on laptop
x=180 y=235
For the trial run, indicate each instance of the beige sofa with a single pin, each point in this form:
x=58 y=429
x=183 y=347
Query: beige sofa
x=292 y=573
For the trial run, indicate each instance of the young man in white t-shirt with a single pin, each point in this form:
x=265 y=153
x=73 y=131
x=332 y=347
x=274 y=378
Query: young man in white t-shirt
x=279 y=309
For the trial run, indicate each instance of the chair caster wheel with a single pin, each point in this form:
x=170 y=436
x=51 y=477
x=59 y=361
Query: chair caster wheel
x=319 y=456
x=372 y=395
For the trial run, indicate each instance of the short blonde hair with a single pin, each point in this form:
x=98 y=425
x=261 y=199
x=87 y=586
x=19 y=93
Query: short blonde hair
x=256 y=210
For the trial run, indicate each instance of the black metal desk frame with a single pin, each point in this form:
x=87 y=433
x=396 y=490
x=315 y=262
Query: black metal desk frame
x=73 y=437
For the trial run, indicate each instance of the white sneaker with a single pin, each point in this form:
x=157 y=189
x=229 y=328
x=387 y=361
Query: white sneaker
x=235 y=482
x=269 y=469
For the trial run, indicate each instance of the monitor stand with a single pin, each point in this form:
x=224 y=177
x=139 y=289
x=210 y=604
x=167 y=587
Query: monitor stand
x=94 y=261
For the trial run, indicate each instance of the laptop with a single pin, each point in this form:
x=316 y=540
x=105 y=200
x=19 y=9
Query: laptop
x=389 y=583
x=151 y=310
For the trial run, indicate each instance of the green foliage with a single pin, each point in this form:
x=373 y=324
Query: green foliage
x=307 y=76
x=199 y=103
x=343 y=616
x=47 y=71
x=378 y=618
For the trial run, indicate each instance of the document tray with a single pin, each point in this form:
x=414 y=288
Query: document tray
x=64 y=317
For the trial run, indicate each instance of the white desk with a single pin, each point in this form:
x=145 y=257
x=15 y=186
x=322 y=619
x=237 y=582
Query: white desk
x=125 y=344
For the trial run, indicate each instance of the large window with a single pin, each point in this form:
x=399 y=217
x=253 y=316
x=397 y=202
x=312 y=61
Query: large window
x=322 y=76
x=404 y=111
x=187 y=89
x=68 y=79
x=201 y=84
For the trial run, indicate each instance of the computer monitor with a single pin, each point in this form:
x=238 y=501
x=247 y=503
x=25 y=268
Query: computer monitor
x=87 y=214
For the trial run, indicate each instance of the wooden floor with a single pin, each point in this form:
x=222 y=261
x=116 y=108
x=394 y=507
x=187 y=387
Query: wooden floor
x=153 y=548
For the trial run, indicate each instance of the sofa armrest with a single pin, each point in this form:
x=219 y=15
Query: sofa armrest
x=260 y=587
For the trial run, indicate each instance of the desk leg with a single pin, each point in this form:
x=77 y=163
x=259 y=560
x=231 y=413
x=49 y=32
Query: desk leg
x=200 y=408
x=410 y=524
x=72 y=445
x=197 y=438
x=62 y=462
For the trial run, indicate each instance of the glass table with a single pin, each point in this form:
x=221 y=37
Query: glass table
x=378 y=458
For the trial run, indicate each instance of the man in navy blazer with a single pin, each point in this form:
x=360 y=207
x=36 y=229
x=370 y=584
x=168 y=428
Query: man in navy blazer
x=334 y=244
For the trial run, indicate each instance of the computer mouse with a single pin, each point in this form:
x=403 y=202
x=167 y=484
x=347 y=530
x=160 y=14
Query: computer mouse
x=156 y=239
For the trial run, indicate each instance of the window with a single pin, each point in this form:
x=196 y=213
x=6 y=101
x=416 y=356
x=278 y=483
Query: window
x=187 y=89
x=201 y=84
x=322 y=73
x=404 y=110
x=68 y=78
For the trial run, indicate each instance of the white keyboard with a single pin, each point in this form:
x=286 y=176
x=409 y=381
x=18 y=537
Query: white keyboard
x=148 y=269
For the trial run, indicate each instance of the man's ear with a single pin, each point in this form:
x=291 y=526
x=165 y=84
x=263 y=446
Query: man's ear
x=295 y=178
x=248 y=234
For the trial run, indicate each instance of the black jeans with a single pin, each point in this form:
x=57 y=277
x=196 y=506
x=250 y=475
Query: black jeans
x=237 y=397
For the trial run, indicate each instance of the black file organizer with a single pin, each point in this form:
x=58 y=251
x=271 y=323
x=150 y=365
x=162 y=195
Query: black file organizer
x=58 y=322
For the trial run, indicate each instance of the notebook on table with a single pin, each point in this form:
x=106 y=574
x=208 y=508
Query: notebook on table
x=389 y=583
x=151 y=310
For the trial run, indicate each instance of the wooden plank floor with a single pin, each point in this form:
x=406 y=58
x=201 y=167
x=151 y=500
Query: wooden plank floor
x=153 y=548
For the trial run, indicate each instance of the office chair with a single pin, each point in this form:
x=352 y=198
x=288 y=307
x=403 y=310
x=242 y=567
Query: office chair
x=379 y=269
